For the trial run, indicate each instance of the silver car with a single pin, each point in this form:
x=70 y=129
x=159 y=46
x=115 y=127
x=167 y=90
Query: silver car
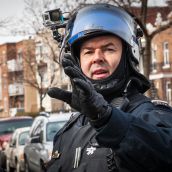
x=15 y=148
x=39 y=147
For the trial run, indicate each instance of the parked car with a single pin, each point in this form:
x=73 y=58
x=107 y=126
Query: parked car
x=39 y=147
x=15 y=150
x=7 y=127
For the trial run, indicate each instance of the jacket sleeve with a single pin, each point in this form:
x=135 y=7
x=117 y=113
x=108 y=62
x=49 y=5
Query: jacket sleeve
x=141 y=139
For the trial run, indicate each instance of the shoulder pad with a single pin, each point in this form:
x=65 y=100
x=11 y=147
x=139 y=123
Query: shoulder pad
x=160 y=102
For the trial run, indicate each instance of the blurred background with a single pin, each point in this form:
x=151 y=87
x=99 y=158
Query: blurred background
x=29 y=63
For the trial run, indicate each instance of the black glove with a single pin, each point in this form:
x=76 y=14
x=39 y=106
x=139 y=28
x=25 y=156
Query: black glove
x=66 y=96
x=70 y=98
x=92 y=104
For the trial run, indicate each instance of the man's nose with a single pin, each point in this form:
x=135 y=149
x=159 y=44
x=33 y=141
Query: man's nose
x=98 y=56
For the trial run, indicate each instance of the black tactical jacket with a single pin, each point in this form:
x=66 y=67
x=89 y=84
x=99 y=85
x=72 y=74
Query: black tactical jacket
x=136 y=139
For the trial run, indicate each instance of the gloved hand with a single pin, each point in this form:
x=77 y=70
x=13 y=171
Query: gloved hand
x=70 y=98
x=66 y=96
x=92 y=104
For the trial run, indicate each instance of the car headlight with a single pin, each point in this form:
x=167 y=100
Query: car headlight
x=49 y=154
x=4 y=145
x=21 y=157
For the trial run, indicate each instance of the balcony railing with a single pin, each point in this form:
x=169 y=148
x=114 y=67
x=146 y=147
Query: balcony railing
x=14 y=65
x=160 y=67
x=15 y=89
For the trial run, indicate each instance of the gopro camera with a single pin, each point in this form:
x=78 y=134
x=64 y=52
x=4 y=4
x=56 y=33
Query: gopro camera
x=53 y=18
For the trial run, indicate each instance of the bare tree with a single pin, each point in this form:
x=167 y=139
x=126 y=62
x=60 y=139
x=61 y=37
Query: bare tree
x=43 y=52
x=3 y=23
x=36 y=73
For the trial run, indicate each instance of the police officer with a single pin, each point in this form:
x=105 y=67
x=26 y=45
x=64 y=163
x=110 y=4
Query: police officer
x=118 y=129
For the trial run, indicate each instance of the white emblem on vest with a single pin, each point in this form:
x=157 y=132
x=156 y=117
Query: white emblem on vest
x=90 y=150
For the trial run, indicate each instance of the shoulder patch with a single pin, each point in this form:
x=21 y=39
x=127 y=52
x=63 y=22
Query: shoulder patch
x=160 y=102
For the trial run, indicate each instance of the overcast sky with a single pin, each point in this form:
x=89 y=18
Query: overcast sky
x=14 y=9
x=11 y=8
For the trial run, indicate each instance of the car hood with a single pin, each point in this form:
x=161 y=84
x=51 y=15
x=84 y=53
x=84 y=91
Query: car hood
x=48 y=145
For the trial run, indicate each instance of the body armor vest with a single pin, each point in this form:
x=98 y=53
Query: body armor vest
x=76 y=149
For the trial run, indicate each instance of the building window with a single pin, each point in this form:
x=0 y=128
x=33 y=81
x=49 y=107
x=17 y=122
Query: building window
x=168 y=92
x=154 y=59
x=19 y=61
x=166 y=55
x=39 y=51
x=19 y=56
x=43 y=77
x=3 y=57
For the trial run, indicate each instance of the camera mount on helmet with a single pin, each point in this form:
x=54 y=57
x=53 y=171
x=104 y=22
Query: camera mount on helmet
x=55 y=20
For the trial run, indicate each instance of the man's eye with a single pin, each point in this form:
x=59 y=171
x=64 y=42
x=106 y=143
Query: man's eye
x=88 y=52
x=110 y=49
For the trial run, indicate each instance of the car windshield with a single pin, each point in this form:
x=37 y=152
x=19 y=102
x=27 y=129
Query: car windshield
x=52 y=128
x=7 y=127
x=22 y=138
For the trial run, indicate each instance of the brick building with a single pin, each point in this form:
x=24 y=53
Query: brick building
x=27 y=69
x=161 y=51
x=15 y=94
x=161 y=65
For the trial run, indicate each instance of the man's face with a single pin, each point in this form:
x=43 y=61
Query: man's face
x=100 y=56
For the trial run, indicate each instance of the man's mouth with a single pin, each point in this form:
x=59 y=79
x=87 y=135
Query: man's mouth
x=100 y=74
